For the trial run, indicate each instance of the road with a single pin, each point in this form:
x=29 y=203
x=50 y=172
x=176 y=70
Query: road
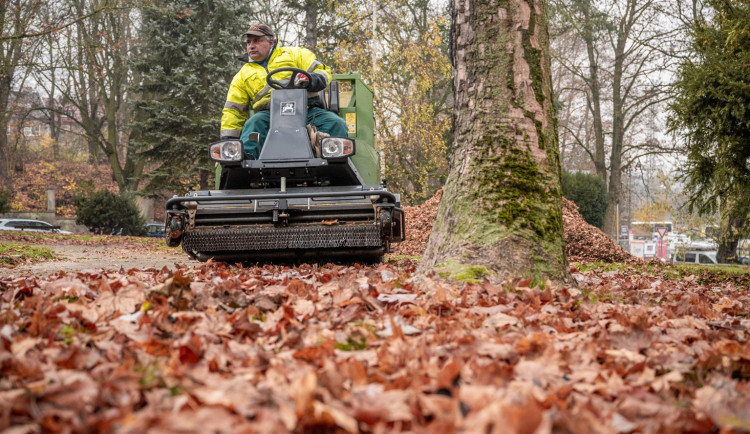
x=106 y=253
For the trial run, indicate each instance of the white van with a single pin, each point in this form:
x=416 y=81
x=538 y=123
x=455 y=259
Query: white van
x=29 y=225
x=694 y=257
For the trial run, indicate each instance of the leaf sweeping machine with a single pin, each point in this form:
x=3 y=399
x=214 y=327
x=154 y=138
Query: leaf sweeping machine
x=306 y=197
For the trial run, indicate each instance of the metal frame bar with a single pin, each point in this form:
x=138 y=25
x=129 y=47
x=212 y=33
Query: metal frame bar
x=173 y=202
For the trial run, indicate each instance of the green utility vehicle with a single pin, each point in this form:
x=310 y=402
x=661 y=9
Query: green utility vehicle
x=307 y=196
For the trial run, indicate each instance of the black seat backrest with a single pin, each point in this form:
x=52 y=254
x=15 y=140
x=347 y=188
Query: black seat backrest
x=287 y=138
x=333 y=97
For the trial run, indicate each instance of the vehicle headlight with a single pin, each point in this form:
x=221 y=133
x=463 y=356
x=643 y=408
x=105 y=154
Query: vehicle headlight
x=226 y=151
x=337 y=147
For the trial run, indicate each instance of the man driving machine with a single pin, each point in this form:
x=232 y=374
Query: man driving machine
x=250 y=91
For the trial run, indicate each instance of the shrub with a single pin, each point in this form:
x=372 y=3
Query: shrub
x=4 y=201
x=589 y=192
x=103 y=212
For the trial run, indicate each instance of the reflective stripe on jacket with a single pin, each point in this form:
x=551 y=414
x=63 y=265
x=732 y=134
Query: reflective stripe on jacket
x=249 y=88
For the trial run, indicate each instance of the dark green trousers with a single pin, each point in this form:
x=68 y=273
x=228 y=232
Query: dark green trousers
x=324 y=120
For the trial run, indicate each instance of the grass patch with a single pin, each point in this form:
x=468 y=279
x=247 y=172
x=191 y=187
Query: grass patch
x=600 y=266
x=352 y=345
x=717 y=268
x=12 y=254
x=83 y=239
x=705 y=274
x=395 y=258
x=462 y=272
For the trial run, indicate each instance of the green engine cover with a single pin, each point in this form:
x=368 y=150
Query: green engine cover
x=356 y=107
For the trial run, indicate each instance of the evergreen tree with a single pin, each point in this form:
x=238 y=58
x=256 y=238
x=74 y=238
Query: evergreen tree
x=189 y=54
x=104 y=212
x=589 y=192
x=712 y=110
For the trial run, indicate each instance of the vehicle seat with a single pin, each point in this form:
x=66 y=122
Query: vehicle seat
x=329 y=97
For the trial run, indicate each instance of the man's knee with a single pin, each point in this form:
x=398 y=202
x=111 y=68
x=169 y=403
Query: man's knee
x=340 y=128
x=330 y=123
x=257 y=123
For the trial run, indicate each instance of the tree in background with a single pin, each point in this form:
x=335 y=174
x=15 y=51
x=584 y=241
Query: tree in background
x=589 y=192
x=326 y=23
x=711 y=112
x=187 y=58
x=94 y=89
x=611 y=59
x=501 y=206
x=17 y=18
x=4 y=201
x=409 y=71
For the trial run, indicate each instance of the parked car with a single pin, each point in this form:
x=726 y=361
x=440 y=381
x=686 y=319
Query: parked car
x=29 y=225
x=155 y=230
x=694 y=257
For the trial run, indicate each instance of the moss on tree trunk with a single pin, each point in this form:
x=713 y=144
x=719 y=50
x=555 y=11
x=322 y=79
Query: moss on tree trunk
x=501 y=207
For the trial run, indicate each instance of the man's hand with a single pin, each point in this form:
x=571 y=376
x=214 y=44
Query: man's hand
x=301 y=81
x=318 y=82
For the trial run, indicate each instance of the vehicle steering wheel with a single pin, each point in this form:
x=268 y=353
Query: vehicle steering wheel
x=277 y=84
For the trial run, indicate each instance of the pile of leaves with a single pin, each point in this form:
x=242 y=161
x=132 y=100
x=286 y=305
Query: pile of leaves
x=419 y=221
x=370 y=349
x=586 y=243
x=583 y=242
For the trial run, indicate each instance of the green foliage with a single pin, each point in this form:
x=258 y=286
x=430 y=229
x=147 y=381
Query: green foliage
x=712 y=111
x=104 y=212
x=589 y=192
x=12 y=254
x=412 y=85
x=352 y=345
x=4 y=201
x=327 y=24
x=189 y=55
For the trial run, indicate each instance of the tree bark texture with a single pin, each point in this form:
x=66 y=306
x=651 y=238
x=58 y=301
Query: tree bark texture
x=501 y=206
x=621 y=89
x=730 y=230
x=595 y=100
x=311 y=26
x=729 y=241
x=5 y=163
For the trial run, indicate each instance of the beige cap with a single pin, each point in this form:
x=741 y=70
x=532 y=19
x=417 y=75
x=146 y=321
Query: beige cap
x=259 y=29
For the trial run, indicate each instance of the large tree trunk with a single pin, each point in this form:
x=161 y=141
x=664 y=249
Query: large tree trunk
x=595 y=99
x=5 y=163
x=619 y=95
x=311 y=25
x=730 y=227
x=501 y=207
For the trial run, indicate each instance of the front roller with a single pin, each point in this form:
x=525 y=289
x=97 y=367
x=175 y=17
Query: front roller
x=297 y=226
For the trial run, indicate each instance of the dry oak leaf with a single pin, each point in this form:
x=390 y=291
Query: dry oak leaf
x=725 y=403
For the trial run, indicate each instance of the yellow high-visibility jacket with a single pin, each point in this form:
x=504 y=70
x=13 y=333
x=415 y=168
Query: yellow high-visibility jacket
x=250 y=90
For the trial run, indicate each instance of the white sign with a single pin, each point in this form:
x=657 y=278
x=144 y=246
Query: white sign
x=637 y=248
x=649 y=249
x=662 y=232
